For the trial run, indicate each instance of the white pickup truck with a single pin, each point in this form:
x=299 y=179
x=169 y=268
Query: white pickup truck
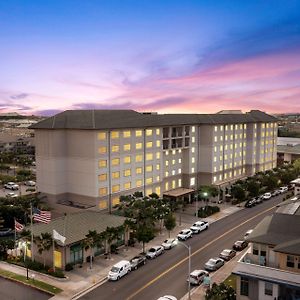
x=199 y=226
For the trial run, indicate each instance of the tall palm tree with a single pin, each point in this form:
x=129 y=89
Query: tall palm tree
x=92 y=239
x=44 y=243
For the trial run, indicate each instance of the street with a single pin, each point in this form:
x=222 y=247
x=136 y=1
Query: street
x=167 y=274
x=10 y=290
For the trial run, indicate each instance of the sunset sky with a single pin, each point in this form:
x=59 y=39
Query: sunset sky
x=167 y=56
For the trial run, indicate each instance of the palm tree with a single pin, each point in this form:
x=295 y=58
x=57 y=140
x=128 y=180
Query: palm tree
x=92 y=239
x=111 y=234
x=44 y=243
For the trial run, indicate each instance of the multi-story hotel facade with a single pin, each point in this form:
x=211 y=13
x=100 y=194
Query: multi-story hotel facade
x=94 y=156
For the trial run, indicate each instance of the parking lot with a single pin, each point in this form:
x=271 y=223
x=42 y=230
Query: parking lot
x=21 y=192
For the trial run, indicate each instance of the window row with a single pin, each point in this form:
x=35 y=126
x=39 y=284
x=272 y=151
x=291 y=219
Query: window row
x=127 y=159
x=127 y=133
x=127 y=147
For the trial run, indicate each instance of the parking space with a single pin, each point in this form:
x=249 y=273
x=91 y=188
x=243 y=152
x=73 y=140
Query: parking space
x=21 y=192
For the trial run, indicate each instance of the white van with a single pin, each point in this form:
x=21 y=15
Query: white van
x=283 y=189
x=119 y=270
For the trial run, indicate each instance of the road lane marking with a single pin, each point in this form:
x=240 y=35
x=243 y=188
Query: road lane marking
x=196 y=252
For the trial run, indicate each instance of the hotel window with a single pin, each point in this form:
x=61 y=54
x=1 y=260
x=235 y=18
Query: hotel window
x=126 y=134
x=148 y=192
x=236 y=136
x=166 y=186
x=157 y=155
x=102 y=150
x=225 y=156
x=157 y=190
x=102 y=136
x=149 y=145
x=192 y=181
x=215 y=158
x=236 y=127
x=179 y=171
x=193 y=128
x=225 y=176
x=149 y=156
x=157 y=167
x=103 y=191
x=220 y=177
x=167 y=152
x=193 y=159
x=215 y=169
x=226 y=147
x=138 y=146
x=115 y=188
x=244 y=288
x=115 y=161
x=173 y=161
x=115 y=201
x=149 y=180
x=173 y=152
x=115 y=134
x=179 y=182
x=268 y=289
x=231 y=146
x=127 y=172
x=138 y=133
x=173 y=172
x=157 y=143
x=231 y=137
x=226 y=127
x=193 y=139
x=102 y=163
x=215 y=178
x=225 y=166
x=157 y=178
x=193 y=149
x=193 y=170
x=148 y=132
x=221 y=157
x=102 y=177
x=241 y=126
x=127 y=185
x=127 y=159
x=179 y=160
x=221 y=148
x=166 y=174
x=166 y=162
x=221 y=168
x=226 y=137
x=115 y=148
x=231 y=127
x=157 y=131
x=290 y=261
x=216 y=138
x=179 y=151
x=149 y=168
x=216 y=128
x=115 y=175
x=138 y=183
x=127 y=147
x=138 y=170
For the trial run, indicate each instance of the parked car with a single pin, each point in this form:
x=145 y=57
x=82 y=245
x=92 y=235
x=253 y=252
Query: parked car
x=29 y=183
x=184 y=234
x=119 y=270
x=169 y=243
x=154 y=252
x=227 y=254
x=240 y=245
x=167 y=297
x=259 y=200
x=214 y=264
x=267 y=196
x=11 y=195
x=248 y=233
x=11 y=186
x=199 y=226
x=250 y=203
x=276 y=193
x=283 y=189
x=137 y=261
x=197 y=276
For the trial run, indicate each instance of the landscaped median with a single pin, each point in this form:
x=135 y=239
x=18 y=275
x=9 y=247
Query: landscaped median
x=43 y=286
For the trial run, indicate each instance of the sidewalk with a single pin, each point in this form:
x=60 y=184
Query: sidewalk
x=82 y=280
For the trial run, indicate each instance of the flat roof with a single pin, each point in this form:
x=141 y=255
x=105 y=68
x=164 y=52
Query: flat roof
x=178 y=192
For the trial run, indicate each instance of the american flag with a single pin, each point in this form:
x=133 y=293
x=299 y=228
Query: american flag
x=43 y=216
x=18 y=226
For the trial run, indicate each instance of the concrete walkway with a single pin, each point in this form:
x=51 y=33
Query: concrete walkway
x=82 y=279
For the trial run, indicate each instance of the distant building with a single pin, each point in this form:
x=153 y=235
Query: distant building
x=288 y=149
x=17 y=145
x=94 y=156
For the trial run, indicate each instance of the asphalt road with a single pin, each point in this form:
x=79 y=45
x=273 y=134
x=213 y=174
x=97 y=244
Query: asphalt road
x=167 y=274
x=10 y=290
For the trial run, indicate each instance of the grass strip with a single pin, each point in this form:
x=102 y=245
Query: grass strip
x=231 y=281
x=31 y=282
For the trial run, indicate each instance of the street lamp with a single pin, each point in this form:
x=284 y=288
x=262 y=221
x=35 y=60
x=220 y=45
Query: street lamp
x=189 y=270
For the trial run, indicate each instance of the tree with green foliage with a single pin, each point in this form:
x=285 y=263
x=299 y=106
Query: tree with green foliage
x=296 y=165
x=44 y=243
x=145 y=234
x=253 y=188
x=220 y=292
x=91 y=240
x=170 y=222
x=238 y=193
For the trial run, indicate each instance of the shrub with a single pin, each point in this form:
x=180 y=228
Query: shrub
x=69 y=267
x=207 y=211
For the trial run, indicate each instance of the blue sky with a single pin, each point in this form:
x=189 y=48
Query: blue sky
x=167 y=56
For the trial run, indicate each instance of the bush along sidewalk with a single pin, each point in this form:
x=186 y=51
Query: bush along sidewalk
x=207 y=211
x=43 y=286
x=39 y=267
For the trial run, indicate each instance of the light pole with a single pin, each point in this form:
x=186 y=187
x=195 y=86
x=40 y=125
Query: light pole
x=189 y=270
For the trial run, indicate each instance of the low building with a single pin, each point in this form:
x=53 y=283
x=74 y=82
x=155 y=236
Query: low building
x=271 y=267
x=74 y=227
x=15 y=144
x=288 y=149
x=296 y=184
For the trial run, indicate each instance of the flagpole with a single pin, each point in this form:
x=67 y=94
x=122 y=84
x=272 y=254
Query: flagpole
x=53 y=245
x=15 y=233
x=32 y=258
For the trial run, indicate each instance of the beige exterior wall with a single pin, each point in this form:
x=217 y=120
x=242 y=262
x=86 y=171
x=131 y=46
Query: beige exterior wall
x=283 y=261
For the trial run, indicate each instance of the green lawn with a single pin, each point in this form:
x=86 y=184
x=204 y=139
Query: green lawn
x=32 y=282
x=231 y=281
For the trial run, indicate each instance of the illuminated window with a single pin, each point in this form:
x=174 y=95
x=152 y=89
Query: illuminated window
x=115 y=148
x=115 y=161
x=231 y=146
x=149 y=180
x=193 y=128
x=149 y=145
x=166 y=174
x=115 y=175
x=221 y=168
x=127 y=172
x=149 y=168
x=215 y=169
x=127 y=147
x=179 y=160
x=157 y=190
x=193 y=149
x=193 y=139
x=157 y=131
x=166 y=186
x=157 y=178
x=221 y=157
x=138 y=133
x=149 y=156
x=166 y=162
x=157 y=155
x=167 y=152
x=173 y=152
x=221 y=148
x=193 y=170
x=226 y=127
x=148 y=132
x=102 y=136
x=179 y=171
x=102 y=150
x=102 y=177
x=138 y=170
x=173 y=172
x=158 y=167
x=126 y=134
x=115 y=188
x=216 y=128
x=231 y=137
x=215 y=149
x=138 y=146
x=127 y=185
x=115 y=134
x=225 y=156
x=215 y=178
x=138 y=158
x=148 y=192
x=193 y=159
x=216 y=138
x=173 y=161
x=102 y=163
x=192 y=181
x=220 y=177
x=127 y=159
x=139 y=183
x=179 y=151
x=179 y=182
x=226 y=147
x=241 y=126
x=226 y=137
x=157 y=143
x=115 y=201
x=103 y=191
x=231 y=127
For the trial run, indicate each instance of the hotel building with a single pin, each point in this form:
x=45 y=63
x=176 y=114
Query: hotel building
x=94 y=156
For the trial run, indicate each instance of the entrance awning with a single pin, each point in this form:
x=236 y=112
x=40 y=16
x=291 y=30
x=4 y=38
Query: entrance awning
x=180 y=192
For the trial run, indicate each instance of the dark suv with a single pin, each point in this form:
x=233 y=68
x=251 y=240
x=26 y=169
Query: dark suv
x=137 y=261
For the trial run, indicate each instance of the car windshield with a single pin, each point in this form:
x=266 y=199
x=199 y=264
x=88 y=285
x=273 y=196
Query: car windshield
x=168 y=241
x=193 y=277
x=115 y=269
x=226 y=252
x=239 y=243
x=152 y=250
x=211 y=261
